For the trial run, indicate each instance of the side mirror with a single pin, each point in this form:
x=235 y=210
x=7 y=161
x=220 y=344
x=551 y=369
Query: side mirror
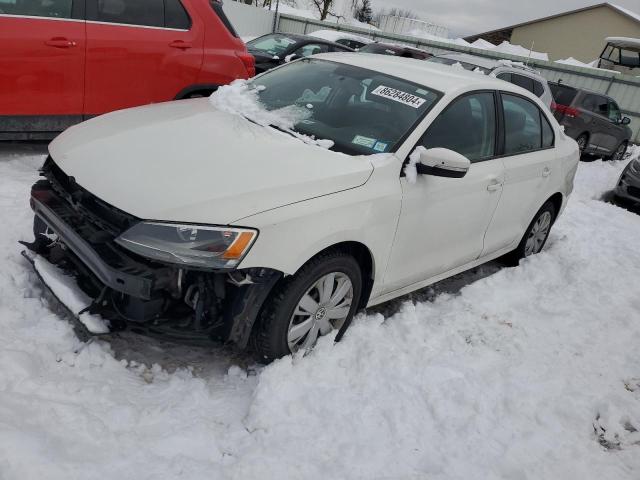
x=625 y=121
x=290 y=57
x=442 y=162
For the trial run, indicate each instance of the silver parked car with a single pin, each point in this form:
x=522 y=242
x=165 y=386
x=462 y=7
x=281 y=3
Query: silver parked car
x=512 y=72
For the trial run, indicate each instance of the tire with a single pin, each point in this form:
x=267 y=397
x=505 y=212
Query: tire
x=275 y=333
x=547 y=215
x=582 y=141
x=619 y=153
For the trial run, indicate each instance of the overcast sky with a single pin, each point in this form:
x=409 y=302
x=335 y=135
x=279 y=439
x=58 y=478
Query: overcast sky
x=466 y=17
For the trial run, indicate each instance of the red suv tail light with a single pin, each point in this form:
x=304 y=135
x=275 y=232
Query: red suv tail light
x=249 y=63
x=565 y=110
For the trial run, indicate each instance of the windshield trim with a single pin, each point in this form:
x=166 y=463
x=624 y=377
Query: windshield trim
x=400 y=142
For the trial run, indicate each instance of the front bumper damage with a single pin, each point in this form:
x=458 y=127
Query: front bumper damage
x=74 y=237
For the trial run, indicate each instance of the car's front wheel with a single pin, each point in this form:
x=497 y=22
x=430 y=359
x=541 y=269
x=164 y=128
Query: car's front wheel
x=323 y=296
x=619 y=153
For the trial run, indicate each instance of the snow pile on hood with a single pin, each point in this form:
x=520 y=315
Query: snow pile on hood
x=243 y=98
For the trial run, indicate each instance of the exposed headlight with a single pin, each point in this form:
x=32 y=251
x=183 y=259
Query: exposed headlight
x=189 y=245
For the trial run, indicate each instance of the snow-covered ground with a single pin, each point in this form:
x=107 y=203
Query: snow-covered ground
x=530 y=372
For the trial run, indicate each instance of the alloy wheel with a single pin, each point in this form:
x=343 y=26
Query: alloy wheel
x=538 y=234
x=324 y=307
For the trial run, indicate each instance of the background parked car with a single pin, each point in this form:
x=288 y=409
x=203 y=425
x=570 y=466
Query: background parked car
x=275 y=49
x=343 y=38
x=592 y=119
x=65 y=61
x=396 y=50
x=628 y=188
x=511 y=72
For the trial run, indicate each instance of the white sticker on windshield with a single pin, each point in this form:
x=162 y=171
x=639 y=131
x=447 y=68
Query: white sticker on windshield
x=364 y=141
x=398 y=96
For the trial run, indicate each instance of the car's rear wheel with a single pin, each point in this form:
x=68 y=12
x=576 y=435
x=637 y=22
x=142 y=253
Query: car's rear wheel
x=619 y=153
x=582 y=141
x=536 y=234
x=323 y=296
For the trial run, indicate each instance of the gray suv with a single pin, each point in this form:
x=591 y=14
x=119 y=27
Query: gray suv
x=592 y=119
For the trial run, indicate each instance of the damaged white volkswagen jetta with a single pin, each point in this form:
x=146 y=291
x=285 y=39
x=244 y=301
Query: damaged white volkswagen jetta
x=275 y=210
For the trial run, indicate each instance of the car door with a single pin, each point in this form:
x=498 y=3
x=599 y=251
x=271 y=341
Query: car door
x=597 y=109
x=41 y=64
x=139 y=52
x=529 y=163
x=443 y=220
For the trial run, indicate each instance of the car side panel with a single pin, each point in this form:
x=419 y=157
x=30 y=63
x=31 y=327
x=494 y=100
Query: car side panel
x=291 y=235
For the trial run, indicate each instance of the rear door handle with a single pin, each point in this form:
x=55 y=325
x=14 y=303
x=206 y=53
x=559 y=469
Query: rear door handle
x=494 y=187
x=180 y=44
x=60 y=42
x=546 y=172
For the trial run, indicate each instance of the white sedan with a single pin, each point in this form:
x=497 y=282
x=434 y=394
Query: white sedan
x=277 y=209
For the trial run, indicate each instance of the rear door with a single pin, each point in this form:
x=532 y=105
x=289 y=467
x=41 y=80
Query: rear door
x=139 y=52
x=41 y=63
x=529 y=162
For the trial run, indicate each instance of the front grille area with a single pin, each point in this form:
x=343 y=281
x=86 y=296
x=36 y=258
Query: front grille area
x=98 y=212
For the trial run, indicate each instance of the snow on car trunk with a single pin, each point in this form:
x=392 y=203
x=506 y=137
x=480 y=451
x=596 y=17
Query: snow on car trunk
x=530 y=372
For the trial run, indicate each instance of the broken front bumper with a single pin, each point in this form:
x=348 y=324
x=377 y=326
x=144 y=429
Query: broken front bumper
x=129 y=292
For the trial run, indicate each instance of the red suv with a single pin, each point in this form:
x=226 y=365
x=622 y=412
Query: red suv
x=63 y=61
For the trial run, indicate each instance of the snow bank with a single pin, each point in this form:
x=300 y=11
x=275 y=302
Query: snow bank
x=242 y=98
x=530 y=372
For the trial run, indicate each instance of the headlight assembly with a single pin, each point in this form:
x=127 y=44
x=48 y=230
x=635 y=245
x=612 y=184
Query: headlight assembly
x=189 y=245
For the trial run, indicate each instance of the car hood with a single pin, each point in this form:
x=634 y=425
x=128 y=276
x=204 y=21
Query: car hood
x=185 y=161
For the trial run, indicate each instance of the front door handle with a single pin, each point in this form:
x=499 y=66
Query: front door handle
x=180 y=45
x=546 y=172
x=494 y=187
x=60 y=42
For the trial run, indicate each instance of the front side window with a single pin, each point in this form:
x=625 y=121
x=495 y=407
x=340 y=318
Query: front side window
x=132 y=12
x=361 y=111
x=522 y=125
x=37 y=8
x=614 y=112
x=466 y=126
x=274 y=44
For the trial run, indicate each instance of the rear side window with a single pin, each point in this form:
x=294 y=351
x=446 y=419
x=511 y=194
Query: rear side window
x=538 y=89
x=522 y=81
x=37 y=8
x=472 y=114
x=217 y=7
x=132 y=12
x=562 y=94
x=175 y=16
x=522 y=125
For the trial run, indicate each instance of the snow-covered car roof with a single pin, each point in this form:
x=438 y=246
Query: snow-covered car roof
x=624 y=42
x=475 y=60
x=334 y=35
x=436 y=76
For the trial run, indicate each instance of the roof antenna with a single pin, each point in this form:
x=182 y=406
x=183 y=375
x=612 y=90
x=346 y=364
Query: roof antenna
x=533 y=42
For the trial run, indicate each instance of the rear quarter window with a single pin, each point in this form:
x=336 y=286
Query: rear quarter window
x=217 y=7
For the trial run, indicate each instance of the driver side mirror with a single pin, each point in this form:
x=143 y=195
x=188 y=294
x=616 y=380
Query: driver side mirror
x=625 y=121
x=442 y=162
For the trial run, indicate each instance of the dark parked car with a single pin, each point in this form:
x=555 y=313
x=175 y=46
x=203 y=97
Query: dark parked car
x=396 y=50
x=628 y=188
x=277 y=48
x=592 y=119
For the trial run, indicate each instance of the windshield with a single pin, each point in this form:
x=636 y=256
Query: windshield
x=275 y=44
x=452 y=61
x=361 y=111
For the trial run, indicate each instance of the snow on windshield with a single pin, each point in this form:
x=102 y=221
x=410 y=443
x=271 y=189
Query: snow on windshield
x=241 y=98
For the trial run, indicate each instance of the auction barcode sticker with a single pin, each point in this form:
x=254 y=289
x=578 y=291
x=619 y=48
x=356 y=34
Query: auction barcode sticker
x=398 y=96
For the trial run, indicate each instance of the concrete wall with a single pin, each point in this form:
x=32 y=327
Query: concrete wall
x=580 y=35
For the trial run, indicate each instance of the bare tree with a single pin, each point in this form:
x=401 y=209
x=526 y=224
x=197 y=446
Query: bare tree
x=323 y=7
